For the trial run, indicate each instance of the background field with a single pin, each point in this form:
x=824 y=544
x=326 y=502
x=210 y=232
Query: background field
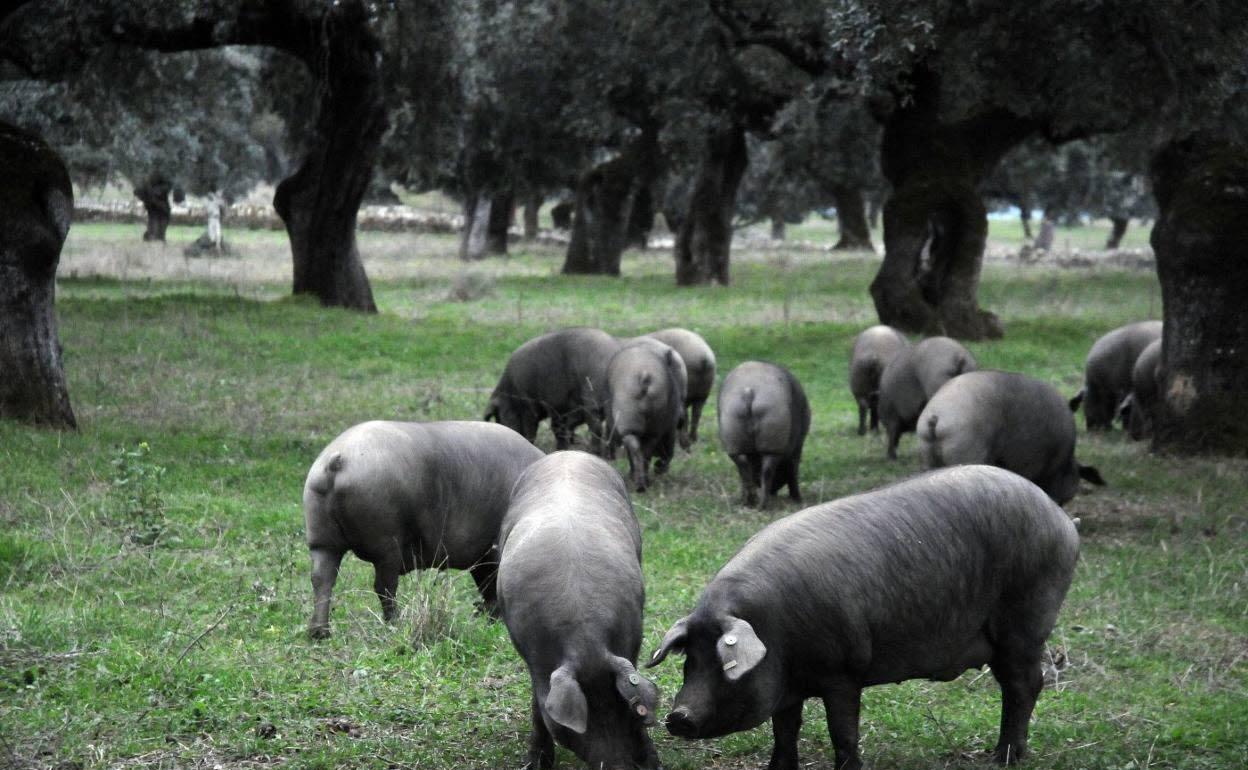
x=155 y=618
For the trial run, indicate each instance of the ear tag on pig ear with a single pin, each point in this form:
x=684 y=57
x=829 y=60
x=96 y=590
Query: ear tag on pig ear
x=740 y=649
x=634 y=680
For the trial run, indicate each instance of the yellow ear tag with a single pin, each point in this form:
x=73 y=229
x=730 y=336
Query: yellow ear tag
x=730 y=665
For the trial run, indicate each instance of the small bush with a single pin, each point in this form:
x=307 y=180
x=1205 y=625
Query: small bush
x=136 y=488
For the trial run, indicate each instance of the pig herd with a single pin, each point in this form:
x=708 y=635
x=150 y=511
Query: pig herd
x=958 y=568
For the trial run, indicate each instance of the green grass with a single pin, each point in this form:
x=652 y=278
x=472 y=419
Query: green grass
x=117 y=653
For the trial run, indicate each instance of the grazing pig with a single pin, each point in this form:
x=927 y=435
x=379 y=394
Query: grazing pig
x=1107 y=372
x=409 y=495
x=645 y=387
x=873 y=349
x=911 y=378
x=1138 y=407
x=947 y=571
x=571 y=593
x=700 y=361
x=560 y=375
x=763 y=421
x=1008 y=420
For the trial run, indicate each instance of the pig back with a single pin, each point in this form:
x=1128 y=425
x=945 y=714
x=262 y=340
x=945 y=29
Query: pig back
x=912 y=580
x=873 y=349
x=938 y=360
x=1112 y=357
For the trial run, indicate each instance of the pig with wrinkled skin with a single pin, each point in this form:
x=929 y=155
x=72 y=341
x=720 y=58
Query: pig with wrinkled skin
x=763 y=421
x=409 y=495
x=1107 y=372
x=645 y=387
x=571 y=592
x=700 y=361
x=1008 y=420
x=560 y=375
x=926 y=578
x=912 y=377
x=1138 y=407
x=872 y=351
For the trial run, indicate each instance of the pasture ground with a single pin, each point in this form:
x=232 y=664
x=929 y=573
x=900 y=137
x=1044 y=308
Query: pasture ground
x=153 y=574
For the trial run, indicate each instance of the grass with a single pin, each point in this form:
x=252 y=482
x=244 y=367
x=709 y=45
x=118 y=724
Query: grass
x=155 y=618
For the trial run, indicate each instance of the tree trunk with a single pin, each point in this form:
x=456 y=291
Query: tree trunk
x=37 y=200
x=1119 y=225
x=473 y=240
x=532 y=207
x=1201 y=186
x=851 y=217
x=704 y=242
x=875 y=207
x=604 y=202
x=936 y=169
x=1044 y=241
x=641 y=218
x=319 y=202
x=1024 y=214
x=777 y=228
x=154 y=195
x=502 y=212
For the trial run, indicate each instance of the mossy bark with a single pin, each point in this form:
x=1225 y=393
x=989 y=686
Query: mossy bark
x=37 y=201
x=1200 y=238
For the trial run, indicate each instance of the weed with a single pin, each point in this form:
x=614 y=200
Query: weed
x=136 y=490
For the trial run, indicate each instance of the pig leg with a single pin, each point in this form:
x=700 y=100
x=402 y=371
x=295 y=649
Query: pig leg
x=894 y=435
x=695 y=414
x=541 y=745
x=1020 y=679
x=749 y=492
x=841 y=704
x=767 y=478
x=637 y=463
x=790 y=467
x=666 y=451
x=862 y=417
x=873 y=405
x=785 y=725
x=486 y=578
x=324 y=575
x=386 y=585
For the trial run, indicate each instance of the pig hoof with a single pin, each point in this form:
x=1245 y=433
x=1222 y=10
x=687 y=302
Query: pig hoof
x=318 y=632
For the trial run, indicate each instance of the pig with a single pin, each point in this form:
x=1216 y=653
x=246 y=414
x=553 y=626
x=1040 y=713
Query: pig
x=911 y=378
x=1107 y=372
x=645 y=387
x=763 y=421
x=700 y=361
x=1008 y=420
x=409 y=495
x=873 y=349
x=1138 y=407
x=571 y=593
x=560 y=375
x=950 y=570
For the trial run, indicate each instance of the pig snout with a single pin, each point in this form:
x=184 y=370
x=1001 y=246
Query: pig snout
x=680 y=723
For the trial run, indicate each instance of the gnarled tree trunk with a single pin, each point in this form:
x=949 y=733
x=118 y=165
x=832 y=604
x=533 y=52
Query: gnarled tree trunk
x=641 y=218
x=604 y=205
x=37 y=201
x=154 y=195
x=502 y=212
x=1201 y=185
x=935 y=222
x=851 y=217
x=704 y=242
x=532 y=207
x=1119 y=229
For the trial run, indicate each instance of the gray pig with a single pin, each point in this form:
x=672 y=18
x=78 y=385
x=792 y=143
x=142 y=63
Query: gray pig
x=763 y=421
x=1008 y=420
x=700 y=361
x=407 y=495
x=560 y=375
x=912 y=377
x=1138 y=407
x=571 y=592
x=873 y=349
x=645 y=388
x=1107 y=372
x=926 y=578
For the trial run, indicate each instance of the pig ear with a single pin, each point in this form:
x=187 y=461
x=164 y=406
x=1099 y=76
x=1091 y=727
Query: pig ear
x=638 y=692
x=674 y=639
x=565 y=703
x=740 y=649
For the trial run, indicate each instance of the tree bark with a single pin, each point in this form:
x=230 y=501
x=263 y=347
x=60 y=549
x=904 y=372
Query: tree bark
x=778 y=228
x=1024 y=213
x=532 y=207
x=477 y=208
x=641 y=218
x=154 y=195
x=38 y=201
x=704 y=242
x=502 y=212
x=851 y=218
x=1119 y=229
x=936 y=169
x=603 y=209
x=1201 y=186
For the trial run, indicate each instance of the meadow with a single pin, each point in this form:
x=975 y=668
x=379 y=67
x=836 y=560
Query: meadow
x=154 y=578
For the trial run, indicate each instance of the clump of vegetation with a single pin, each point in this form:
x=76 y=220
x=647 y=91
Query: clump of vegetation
x=136 y=487
x=435 y=609
x=471 y=286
